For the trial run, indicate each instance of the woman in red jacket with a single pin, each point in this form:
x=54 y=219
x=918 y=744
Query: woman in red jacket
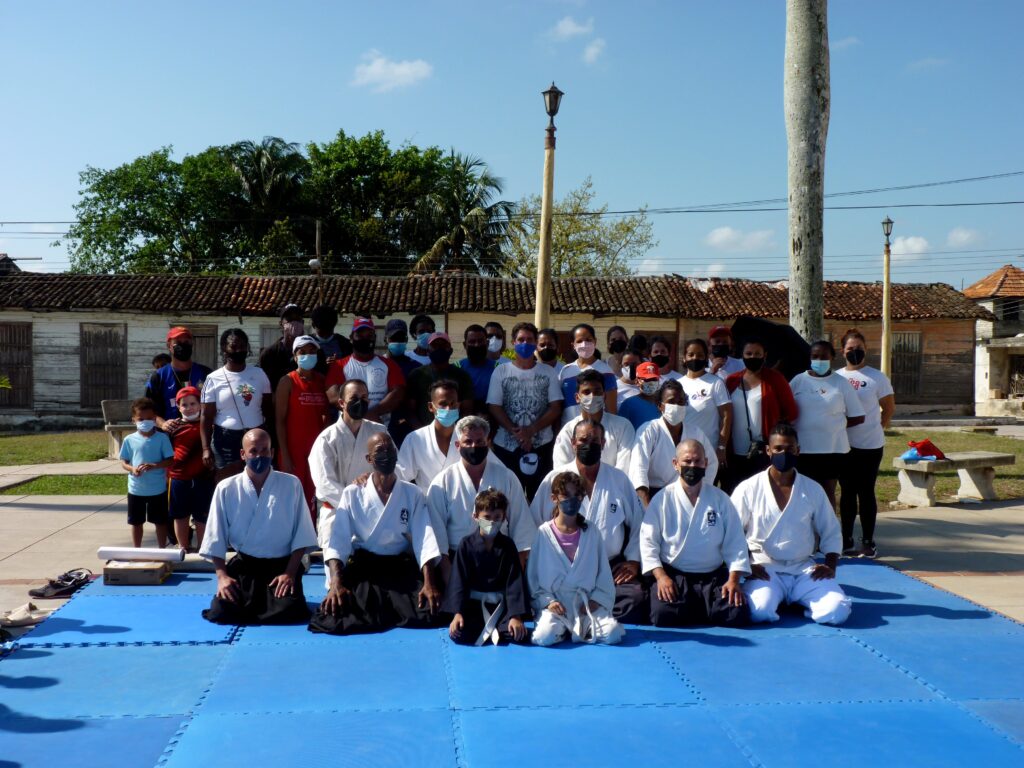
x=761 y=398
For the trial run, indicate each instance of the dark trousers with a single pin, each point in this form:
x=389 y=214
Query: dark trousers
x=473 y=625
x=699 y=601
x=530 y=482
x=384 y=594
x=740 y=468
x=857 y=481
x=631 y=606
x=258 y=604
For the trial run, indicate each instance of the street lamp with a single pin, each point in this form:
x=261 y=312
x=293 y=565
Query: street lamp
x=314 y=265
x=552 y=100
x=886 y=365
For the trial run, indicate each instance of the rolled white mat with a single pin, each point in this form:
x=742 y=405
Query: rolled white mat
x=141 y=553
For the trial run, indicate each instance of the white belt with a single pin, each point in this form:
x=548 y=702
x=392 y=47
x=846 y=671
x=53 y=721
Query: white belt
x=490 y=630
x=572 y=624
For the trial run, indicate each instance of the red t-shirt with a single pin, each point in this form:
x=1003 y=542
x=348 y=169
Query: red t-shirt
x=188 y=453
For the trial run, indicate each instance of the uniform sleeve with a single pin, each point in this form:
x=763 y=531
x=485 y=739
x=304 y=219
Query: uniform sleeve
x=719 y=394
x=437 y=507
x=562 y=452
x=853 y=404
x=540 y=591
x=542 y=506
x=406 y=468
x=323 y=469
x=215 y=540
x=634 y=519
x=640 y=460
x=515 y=589
x=521 y=525
x=604 y=586
x=303 y=535
x=650 y=537
x=495 y=395
x=734 y=543
x=338 y=544
x=395 y=376
x=826 y=525
x=458 y=583
x=741 y=502
x=424 y=538
x=626 y=440
x=712 y=456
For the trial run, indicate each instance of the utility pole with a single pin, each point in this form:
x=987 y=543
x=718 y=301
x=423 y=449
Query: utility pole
x=886 y=365
x=542 y=312
x=317 y=266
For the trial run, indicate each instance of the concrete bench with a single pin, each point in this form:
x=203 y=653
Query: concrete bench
x=117 y=422
x=976 y=470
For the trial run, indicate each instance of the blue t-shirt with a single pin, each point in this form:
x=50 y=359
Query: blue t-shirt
x=138 y=449
x=481 y=376
x=638 y=411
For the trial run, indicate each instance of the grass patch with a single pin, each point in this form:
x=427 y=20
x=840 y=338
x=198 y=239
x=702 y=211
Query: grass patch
x=72 y=485
x=52 y=448
x=1009 y=481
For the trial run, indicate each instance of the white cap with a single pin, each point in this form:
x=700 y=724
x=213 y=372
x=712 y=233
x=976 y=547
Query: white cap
x=302 y=341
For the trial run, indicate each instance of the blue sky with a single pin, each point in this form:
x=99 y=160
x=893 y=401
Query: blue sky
x=667 y=104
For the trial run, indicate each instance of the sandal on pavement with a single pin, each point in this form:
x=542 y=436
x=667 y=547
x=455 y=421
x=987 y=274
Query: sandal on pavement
x=26 y=615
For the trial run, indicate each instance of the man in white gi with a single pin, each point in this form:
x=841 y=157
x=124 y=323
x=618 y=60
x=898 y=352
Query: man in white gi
x=619 y=434
x=692 y=543
x=451 y=497
x=784 y=515
x=611 y=506
x=262 y=515
x=381 y=555
x=428 y=450
x=339 y=453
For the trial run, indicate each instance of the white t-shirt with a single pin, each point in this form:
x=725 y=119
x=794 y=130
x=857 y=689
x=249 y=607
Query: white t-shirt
x=625 y=391
x=732 y=365
x=704 y=397
x=825 y=403
x=672 y=375
x=871 y=385
x=525 y=395
x=741 y=412
x=238 y=396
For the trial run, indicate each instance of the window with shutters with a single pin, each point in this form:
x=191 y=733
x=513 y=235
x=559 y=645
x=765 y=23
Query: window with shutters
x=906 y=363
x=16 y=364
x=205 y=344
x=103 y=356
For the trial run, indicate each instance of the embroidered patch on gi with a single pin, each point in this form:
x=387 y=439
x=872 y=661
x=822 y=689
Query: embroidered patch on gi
x=712 y=517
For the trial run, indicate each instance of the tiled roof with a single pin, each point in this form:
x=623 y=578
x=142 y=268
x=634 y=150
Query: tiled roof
x=664 y=296
x=1007 y=281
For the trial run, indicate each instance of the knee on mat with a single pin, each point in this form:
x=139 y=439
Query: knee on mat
x=763 y=606
x=547 y=632
x=611 y=632
x=834 y=608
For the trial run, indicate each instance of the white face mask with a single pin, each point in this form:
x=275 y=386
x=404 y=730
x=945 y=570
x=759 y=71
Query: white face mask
x=674 y=413
x=585 y=349
x=193 y=417
x=146 y=425
x=649 y=387
x=494 y=344
x=591 y=403
x=488 y=528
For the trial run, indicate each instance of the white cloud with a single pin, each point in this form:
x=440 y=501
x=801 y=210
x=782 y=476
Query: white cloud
x=960 y=237
x=732 y=240
x=844 y=43
x=653 y=265
x=909 y=247
x=568 y=28
x=927 y=63
x=593 y=50
x=711 y=270
x=381 y=74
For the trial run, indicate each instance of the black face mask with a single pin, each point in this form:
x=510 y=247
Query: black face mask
x=440 y=356
x=588 y=454
x=784 y=462
x=692 y=475
x=617 y=347
x=754 y=364
x=720 y=350
x=474 y=456
x=548 y=354
x=697 y=364
x=660 y=360
x=855 y=356
x=182 y=352
x=632 y=372
x=363 y=346
x=357 y=409
x=238 y=356
x=476 y=354
x=385 y=463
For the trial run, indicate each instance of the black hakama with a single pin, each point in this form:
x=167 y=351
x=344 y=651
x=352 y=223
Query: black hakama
x=699 y=601
x=258 y=604
x=631 y=605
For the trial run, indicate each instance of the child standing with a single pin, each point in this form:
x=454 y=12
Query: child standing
x=486 y=591
x=569 y=575
x=145 y=456
x=191 y=481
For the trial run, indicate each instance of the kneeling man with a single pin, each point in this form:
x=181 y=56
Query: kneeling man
x=262 y=515
x=785 y=516
x=692 y=542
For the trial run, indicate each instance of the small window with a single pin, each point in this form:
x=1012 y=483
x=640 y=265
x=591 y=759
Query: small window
x=16 y=364
x=1010 y=310
x=103 y=356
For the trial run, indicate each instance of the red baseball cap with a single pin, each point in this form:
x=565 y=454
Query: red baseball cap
x=362 y=322
x=185 y=392
x=720 y=330
x=177 y=332
x=438 y=335
x=647 y=371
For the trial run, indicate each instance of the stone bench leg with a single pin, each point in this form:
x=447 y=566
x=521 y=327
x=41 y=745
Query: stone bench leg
x=977 y=483
x=917 y=489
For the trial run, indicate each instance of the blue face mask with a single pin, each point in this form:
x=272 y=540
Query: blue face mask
x=306 y=362
x=421 y=340
x=258 y=464
x=447 y=417
x=821 y=367
x=396 y=348
x=525 y=351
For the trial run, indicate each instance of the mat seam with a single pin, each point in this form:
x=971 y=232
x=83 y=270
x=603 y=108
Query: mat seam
x=459 y=742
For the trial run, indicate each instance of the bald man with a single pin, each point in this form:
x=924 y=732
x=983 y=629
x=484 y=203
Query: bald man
x=692 y=543
x=262 y=515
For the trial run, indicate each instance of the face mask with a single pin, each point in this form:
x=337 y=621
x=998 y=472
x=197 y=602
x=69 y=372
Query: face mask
x=476 y=354
x=588 y=454
x=494 y=344
x=182 y=352
x=396 y=348
x=146 y=425
x=447 y=417
x=821 y=367
x=525 y=351
x=660 y=360
x=258 y=464
x=547 y=354
x=674 y=413
x=649 y=387
x=632 y=372
x=720 y=350
x=363 y=346
x=784 y=462
x=421 y=340
x=591 y=403
x=570 y=507
x=855 y=356
x=697 y=364
x=356 y=409
x=754 y=364
x=194 y=417
x=585 y=349
x=488 y=528
x=474 y=456
x=385 y=463
x=440 y=356
x=237 y=357
x=617 y=347
x=306 y=362
x=692 y=475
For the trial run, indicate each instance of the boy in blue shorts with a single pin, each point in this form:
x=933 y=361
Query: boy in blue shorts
x=145 y=456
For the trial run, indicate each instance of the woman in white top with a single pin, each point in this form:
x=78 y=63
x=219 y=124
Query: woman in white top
x=867 y=441
x=627 y=385
x=706 y=395
x=661 y=356
x=828 y=407
x=584 y=342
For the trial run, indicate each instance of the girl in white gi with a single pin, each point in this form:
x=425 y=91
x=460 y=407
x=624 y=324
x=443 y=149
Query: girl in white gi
x=568 y=573
x=651 y=467
x=619 y=434
x=785 y=515
x=428 y=450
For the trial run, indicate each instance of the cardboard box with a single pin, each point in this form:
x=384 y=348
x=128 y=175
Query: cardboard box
x=136 y=573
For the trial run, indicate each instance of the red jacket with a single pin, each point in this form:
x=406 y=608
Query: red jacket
x=777 y=403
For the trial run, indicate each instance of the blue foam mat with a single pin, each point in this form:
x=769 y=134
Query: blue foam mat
x=1008 y=716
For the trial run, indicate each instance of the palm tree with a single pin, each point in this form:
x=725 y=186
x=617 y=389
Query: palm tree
x=473 y=226
x=271 y=174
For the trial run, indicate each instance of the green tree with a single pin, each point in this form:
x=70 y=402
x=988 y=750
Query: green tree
x=584 y=241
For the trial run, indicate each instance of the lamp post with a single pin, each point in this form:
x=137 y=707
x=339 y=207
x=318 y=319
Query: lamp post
x=314 y=265
x=552 y=100
x=886 y=302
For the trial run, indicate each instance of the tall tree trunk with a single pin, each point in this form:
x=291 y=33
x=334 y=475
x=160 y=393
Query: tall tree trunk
x=806 y=98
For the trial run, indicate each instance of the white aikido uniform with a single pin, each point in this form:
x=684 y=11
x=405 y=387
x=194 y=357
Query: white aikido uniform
x=619 y=437
x=338 y=457
x=420 y=459
x=552 y=576
x=784 y=541
x=451 y=499
x=651 y=463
